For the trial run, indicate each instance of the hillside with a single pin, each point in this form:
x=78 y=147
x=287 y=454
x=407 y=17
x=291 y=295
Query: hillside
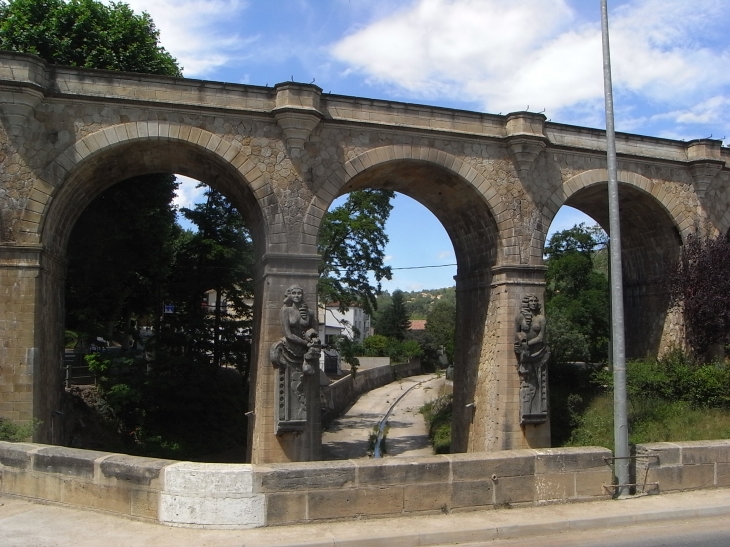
x=420 y=302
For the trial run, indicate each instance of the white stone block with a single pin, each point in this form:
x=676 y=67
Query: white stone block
x=212 y=512
x=210 y=495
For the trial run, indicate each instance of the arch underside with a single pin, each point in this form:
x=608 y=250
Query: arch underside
x=103 y=170
x=650 y=242
x=468 y=220
x=99 y=171
x=462 y=211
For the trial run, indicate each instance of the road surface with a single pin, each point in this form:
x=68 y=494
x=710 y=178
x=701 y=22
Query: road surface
x=348 y=436
x=707 y=532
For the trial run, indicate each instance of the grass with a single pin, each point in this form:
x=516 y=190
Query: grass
x=437 y=414
x=650 y=420
x=13 y=432
x=670 y=399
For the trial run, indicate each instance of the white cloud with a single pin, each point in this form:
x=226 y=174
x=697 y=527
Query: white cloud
x=504 y=54
x=566 y=218
x=187 y=194
x=705 y=112
x=439 y=47
x=194 y=31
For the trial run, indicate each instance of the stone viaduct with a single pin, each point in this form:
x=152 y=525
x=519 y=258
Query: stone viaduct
x=282 y=155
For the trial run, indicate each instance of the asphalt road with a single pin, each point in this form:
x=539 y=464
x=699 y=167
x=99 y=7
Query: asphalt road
x=708 y=532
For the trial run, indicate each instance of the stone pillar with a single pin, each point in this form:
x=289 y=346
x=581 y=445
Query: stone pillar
x=494 y=414
x=277 y=272
x=472 y=305
x=31 y=338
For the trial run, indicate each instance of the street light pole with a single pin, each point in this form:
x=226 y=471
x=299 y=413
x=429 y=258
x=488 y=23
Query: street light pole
x=620 y=420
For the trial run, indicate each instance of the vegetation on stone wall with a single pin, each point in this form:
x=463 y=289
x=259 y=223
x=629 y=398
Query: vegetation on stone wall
x=675 y=398
x=13 y=432
x=699 y=285
x=437 y=414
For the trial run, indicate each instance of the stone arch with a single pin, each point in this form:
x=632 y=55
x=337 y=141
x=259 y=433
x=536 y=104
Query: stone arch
x=465 y=203
x=85 y=169
x=600 y=176
x=388 y=165
x=651 y=237
x=61 y=192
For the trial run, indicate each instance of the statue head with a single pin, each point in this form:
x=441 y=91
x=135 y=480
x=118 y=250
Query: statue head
x=294 y=295
x=530 y=303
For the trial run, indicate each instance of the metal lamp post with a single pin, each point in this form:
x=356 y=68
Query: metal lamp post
x=621 y=428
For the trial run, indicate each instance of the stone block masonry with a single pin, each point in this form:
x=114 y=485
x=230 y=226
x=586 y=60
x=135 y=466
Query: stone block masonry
x=237 y=496
x=248 y=496
x=283 y=154
x=671 y=467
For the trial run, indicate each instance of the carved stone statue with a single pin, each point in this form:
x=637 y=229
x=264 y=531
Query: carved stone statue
x=532 y=356
x=296 y=355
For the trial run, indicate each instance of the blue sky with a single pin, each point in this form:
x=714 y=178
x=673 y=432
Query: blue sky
x=670 y=60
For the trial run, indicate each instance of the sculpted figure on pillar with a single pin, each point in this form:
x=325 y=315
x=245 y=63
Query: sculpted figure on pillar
x=532 y=356
x=296 y=355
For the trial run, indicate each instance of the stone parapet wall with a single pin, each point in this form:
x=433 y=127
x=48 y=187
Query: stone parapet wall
x=248 y=496
x=672 y=467
x=125 y=485
x=315 y=491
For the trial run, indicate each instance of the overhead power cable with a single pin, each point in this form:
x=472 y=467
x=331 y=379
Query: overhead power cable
x=422 y=267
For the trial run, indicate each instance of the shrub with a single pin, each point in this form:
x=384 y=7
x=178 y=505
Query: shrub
x=676 y=377
x=12 y=432
x=670 y=399
x=437 y=414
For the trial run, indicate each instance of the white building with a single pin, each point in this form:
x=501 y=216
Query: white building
x=354 y=324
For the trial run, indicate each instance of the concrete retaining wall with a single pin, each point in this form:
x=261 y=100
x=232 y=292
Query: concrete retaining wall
x=372 y=362
x=248 y=496
x=337 y=396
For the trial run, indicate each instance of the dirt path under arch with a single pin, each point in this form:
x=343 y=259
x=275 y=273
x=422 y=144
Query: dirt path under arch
x=348 y=436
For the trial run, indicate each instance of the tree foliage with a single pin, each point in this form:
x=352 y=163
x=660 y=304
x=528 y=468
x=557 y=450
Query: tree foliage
x=85 y=33
x=352 y=243
x=441 y=326
x=700 y=284
x=399 y=351
x=577 y=295
x=219 y=257
x=114 y=273
x=394 y=321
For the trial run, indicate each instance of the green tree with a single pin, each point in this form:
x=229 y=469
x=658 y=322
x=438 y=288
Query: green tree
x=577 y=295
x=394 y=322
x=113 y=273
x=352 y=245
x=218 y=257
x=441 y=326
x=85 y=33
